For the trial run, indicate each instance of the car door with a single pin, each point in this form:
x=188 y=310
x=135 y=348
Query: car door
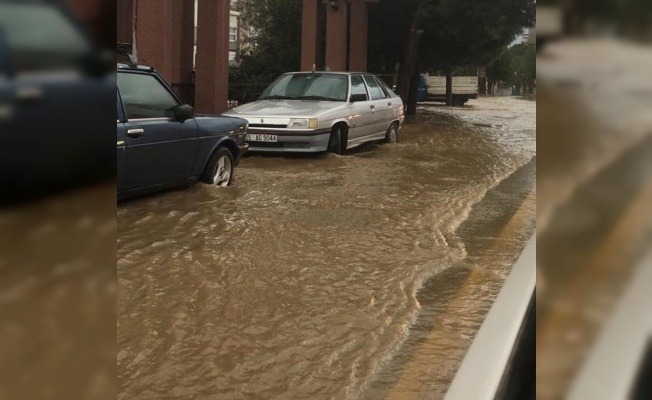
x=121 y=145
x=363 y=114
x=159 y=149
x=381 y=105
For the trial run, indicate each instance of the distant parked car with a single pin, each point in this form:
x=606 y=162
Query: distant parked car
x=322 y=111
x=162 y=144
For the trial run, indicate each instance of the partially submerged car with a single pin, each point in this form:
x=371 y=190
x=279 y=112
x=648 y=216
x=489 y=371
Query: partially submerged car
x=162 y=144
x=322 y=111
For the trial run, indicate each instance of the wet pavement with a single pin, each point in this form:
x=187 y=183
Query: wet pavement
x=362 y=276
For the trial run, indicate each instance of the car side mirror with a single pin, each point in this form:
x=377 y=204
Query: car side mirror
x=184 y=112
x=358 y=97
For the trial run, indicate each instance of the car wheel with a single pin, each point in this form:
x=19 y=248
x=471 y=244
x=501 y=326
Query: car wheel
x=338 y=141
x=392 y=134
x=220 y=168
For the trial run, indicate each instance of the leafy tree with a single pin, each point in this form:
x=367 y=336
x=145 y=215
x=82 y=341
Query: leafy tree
x=452 y=33
x=500 y=69
x=275 y=39
x=525 y=66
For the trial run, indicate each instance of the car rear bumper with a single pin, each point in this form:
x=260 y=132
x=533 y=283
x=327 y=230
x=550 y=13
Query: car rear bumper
x=313 y=142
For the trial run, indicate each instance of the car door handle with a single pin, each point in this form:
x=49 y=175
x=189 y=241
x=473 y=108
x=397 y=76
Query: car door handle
x=372 y=106
x=135 y=133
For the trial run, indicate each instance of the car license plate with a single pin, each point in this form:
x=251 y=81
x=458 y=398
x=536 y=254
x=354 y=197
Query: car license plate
x=256 y=137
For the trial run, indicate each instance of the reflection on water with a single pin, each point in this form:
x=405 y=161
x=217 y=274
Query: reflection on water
x=303 y=280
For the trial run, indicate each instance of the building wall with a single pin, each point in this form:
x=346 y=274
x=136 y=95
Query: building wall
x=234 y=34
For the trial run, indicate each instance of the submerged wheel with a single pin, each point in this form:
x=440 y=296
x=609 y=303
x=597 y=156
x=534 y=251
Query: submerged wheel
x=220 y=168
x=338 y=140
x=392 y=134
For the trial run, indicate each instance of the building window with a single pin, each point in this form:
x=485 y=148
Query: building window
x=233 y=36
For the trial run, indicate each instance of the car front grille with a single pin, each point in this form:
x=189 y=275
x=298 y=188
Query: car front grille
x=273 y=126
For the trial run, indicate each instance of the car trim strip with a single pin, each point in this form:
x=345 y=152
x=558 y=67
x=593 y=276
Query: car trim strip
x=149 y=119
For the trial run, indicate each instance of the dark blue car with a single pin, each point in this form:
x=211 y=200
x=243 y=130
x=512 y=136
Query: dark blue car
x=162 y=144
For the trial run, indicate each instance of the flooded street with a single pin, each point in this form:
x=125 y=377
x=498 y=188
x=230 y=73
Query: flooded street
x=362 y=276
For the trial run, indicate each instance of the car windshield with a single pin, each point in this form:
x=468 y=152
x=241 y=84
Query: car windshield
x=40 y=37
x=315 y=86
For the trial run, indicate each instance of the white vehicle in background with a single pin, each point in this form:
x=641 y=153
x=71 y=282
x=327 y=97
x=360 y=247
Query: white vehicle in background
x=321 y=111
x=433 y=88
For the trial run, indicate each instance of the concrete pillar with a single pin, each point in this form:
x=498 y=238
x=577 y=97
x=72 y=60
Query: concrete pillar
x=212 y=63
x=164 y=32
x=183 y=29
x=309 y=34
x=125 y=21
x=358 y=36
x=336 y=41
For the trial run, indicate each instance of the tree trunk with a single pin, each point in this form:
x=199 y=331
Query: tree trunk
x=568 y=17
x=412 y=97
x=449 y=87
x=409 y=64
x=491 y=88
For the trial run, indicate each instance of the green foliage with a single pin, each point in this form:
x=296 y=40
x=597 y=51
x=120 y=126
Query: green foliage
x=471 y=32
x=523 y=61
x=389 y=24
x=275 y=39
x=514 y=64
x=465 y=71
x=501 y=68
x=455 y=32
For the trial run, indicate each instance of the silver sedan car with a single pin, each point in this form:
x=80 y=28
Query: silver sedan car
x=322 y=111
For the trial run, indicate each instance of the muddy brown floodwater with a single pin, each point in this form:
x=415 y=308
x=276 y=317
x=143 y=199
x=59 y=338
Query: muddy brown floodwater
x=328 y=277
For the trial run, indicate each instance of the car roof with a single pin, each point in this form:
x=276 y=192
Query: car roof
x=127 y=67
x=330 y=72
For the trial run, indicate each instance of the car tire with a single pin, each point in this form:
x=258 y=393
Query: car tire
x=392 y=134
x=220 y=168
x=338 y=140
